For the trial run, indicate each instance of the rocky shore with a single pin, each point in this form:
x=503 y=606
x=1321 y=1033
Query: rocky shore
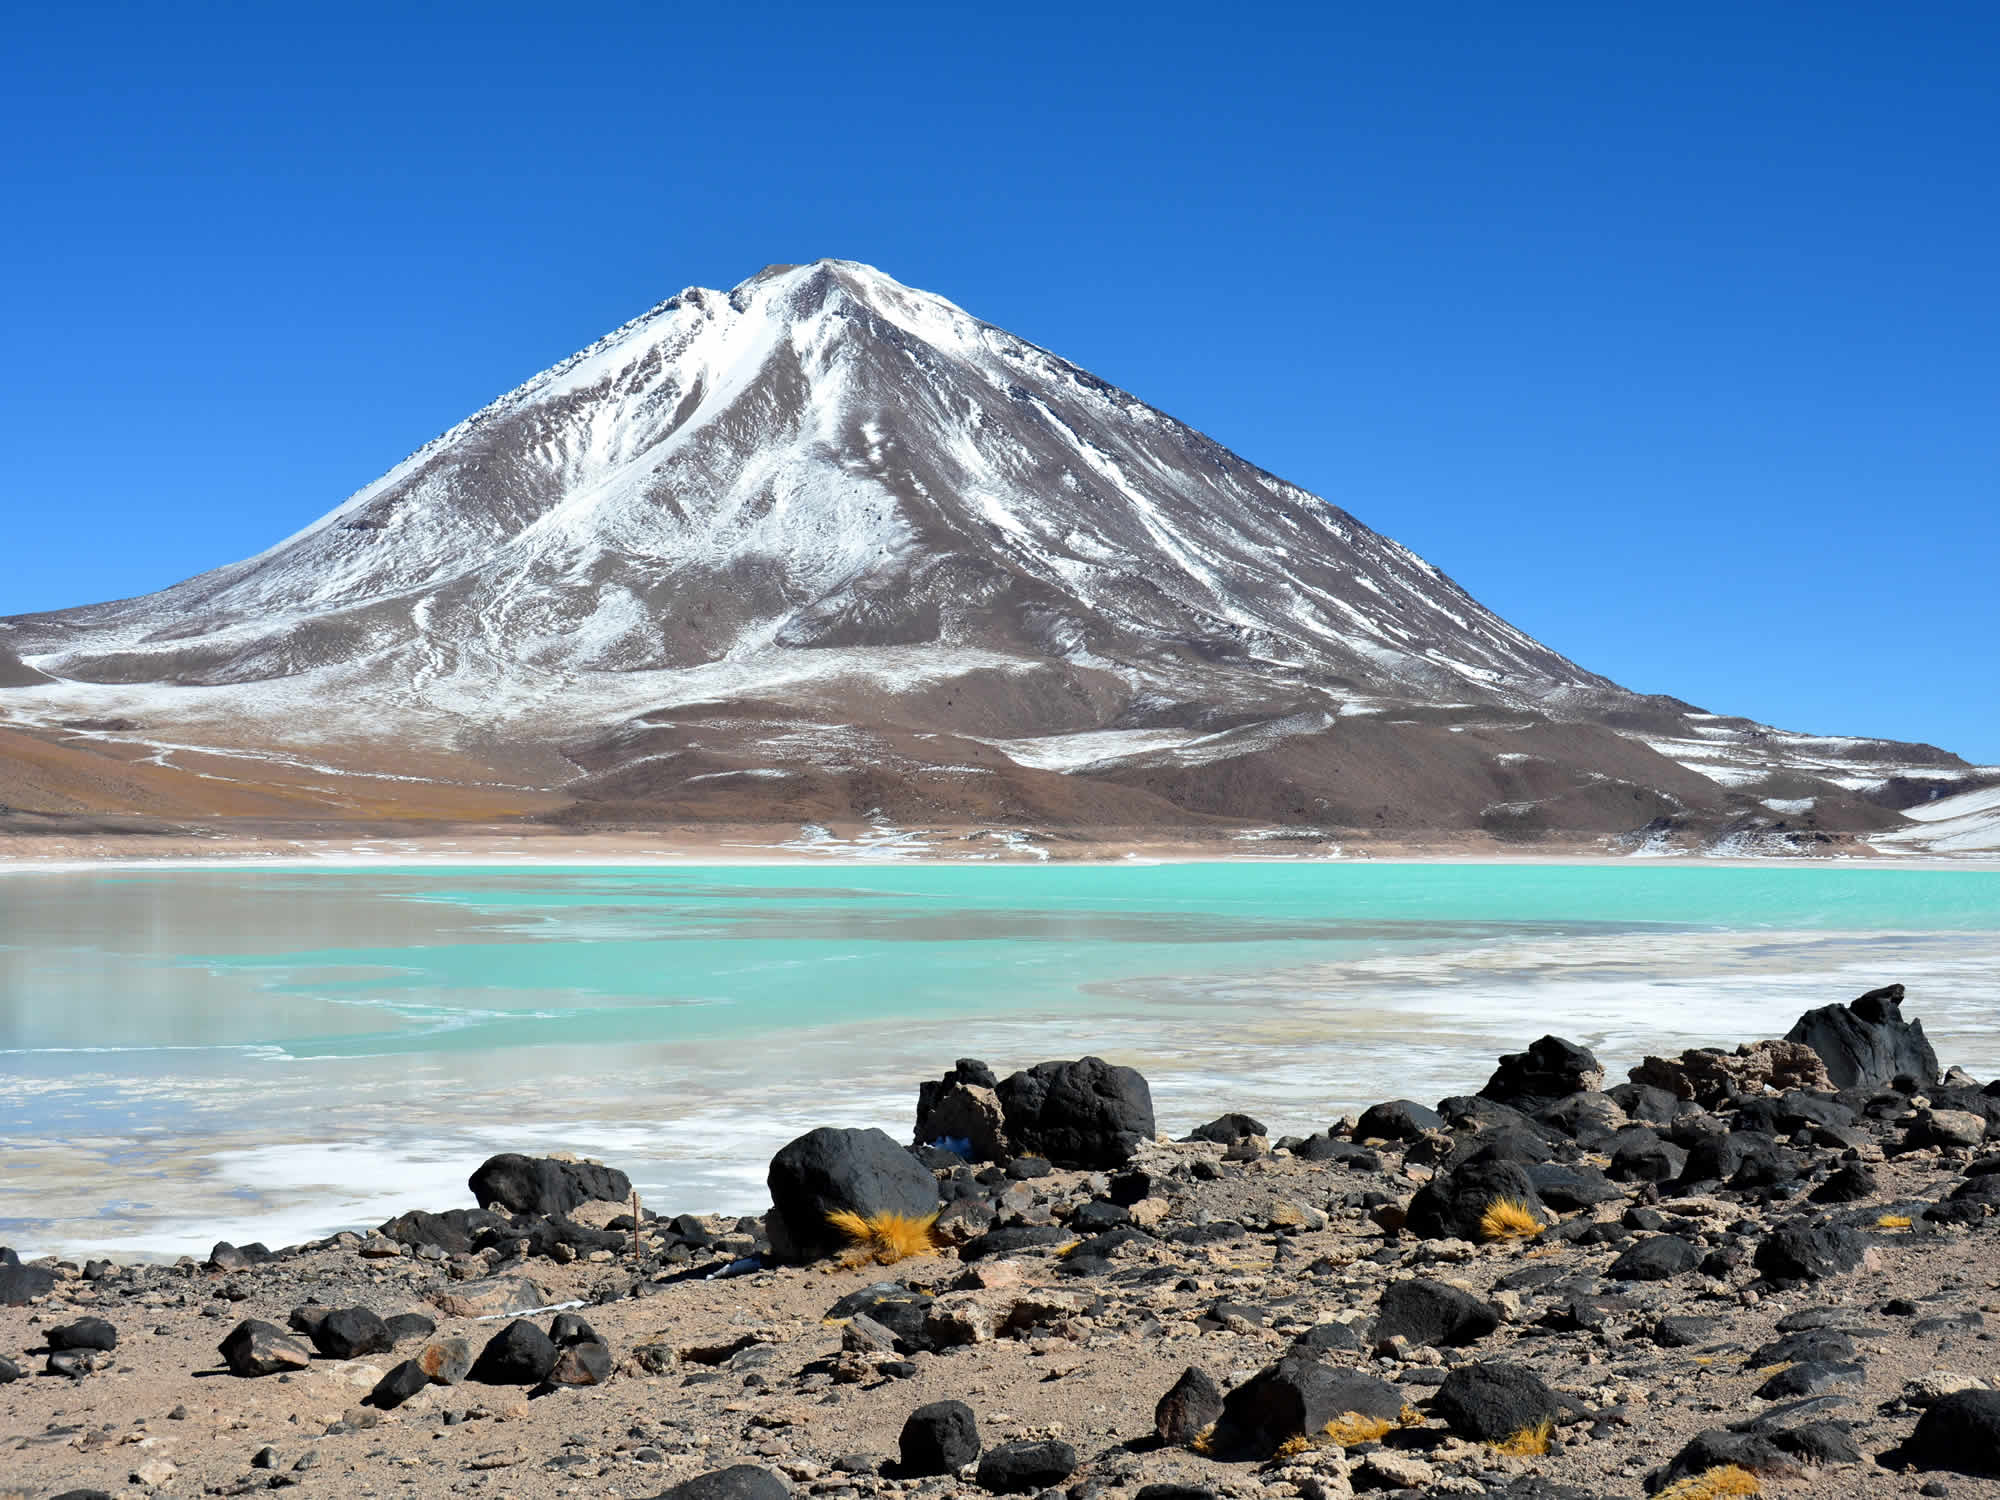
x=1766 y=1270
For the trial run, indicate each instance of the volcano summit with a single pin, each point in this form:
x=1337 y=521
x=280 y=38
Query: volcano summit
x=827 y=548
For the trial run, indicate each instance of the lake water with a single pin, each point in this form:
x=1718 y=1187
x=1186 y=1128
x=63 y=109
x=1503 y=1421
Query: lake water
x=188 y=1055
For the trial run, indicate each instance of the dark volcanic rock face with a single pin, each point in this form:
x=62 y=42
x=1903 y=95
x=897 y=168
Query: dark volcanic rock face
x=1868 y=1044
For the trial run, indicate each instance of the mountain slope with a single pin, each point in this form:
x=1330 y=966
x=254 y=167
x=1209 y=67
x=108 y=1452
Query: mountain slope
x=825 y=521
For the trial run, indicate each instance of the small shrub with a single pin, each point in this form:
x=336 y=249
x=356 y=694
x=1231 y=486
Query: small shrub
x=1529 y=1442
x=1722 y=1483
x=1352 y=1427
x=886 y=1238
x=1508 y=1219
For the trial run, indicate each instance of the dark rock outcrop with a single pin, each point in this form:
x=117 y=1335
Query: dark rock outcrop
x=1491 y=1401
x=738 y=1482
x=1808 y=1252
x=1296 y=1397
x=1430 y=1313
x=254 y=1347
x=519 y=1354
x=544 y=1185
x=350 y=1332
x=1960 y=1433
x=940 y=1438
x=1026 y=1467
x=1086 y=1113
x=829 y=1171
x=1867 y=1043
x=1551 y=1068
x=1452 y=1204
x=1190 y=1408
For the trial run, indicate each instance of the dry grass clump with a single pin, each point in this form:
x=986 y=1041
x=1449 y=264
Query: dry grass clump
x=1352 y=1427
x=1713 y=1484
x=1529 y=1442
x=1893 y=1221
x=1508 y=1219
x=1344 y=1431
x=885 y=1238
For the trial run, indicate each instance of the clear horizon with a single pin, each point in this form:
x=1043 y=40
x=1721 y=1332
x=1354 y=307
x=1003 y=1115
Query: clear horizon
x=1671 y=337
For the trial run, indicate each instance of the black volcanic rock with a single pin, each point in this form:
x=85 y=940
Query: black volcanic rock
x=543 y=1185
x=350 y=1332
x=1087 y=1113
x=1490 y=1401
x=1022 y=1467
x=1396 y=1120
x=1551 y=1068
x=1867 y=1043
x=829 y=1171
x=1961 y=1433
x=1807 y=1252
x=738 y=1482
x=1452 y=1204
x=1429 y=1312
x=519 y=1354
x=1295 y=1397
x=940 y=1438
x=1190 y=1407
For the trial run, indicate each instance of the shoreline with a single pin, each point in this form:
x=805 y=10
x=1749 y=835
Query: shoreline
x=18 y=855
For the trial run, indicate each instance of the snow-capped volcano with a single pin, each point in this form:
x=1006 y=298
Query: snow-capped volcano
x=825 y=524
x=820 y=458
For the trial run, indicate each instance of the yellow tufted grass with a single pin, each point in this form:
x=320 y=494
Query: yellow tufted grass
x=885 y=1238
x=1529 y=1442
x=1722 y=1483
x=1508 y=1219
x=1352 y=1427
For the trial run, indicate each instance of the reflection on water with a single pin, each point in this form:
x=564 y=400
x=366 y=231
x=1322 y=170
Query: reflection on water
x=269 y=1055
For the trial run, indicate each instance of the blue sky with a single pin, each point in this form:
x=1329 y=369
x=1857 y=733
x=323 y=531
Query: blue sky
x=1671 y=332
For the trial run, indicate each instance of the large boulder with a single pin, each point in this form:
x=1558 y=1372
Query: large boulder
x=1426 y=1312
x=1086 y=1113
x=829 y=1171
x=1397 y=1120
x=1657 y=1257
x=1551 y=1068
x=940 y=1438
x=1808 y=1252
x=1298 y=1397
x=84 y=1333
x=739 y=1482
x=20 y=1284
x=255 y=1347
x=1453 y=1204
x=1960 y=1433
x=1026 y=1467
x=1868 y=1044
x=350 y=1332
x=546 y=1184
x=519 y=1354
x=451 y=1231
x=1189 y=1409
x=1492 y=1401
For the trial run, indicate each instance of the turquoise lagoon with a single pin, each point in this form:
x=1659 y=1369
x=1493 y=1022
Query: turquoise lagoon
x=195 y=1054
